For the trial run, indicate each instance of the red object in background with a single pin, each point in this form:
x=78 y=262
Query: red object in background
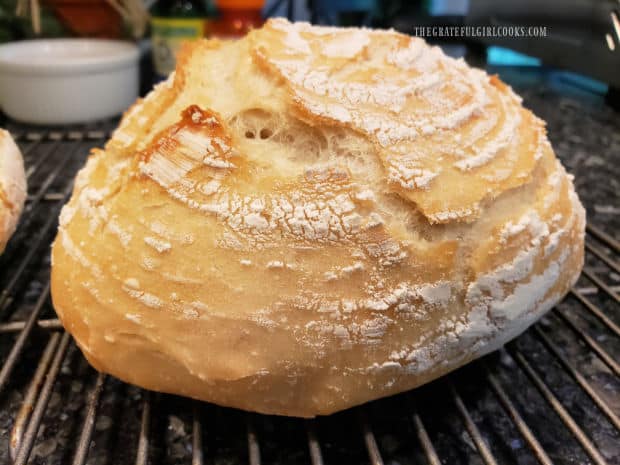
x=237 y=18
x=88 y=18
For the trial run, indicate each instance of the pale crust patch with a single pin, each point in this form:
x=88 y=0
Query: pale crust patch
x=12 y=187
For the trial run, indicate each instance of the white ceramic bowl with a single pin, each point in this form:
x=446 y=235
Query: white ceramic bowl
x=62 y=81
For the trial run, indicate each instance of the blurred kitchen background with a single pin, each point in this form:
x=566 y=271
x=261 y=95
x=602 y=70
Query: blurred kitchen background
x=582 y=37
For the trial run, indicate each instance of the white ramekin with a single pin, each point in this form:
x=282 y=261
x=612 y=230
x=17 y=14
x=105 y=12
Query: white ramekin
x=62 y=81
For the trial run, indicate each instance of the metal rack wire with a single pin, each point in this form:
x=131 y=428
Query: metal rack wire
x=551 y=396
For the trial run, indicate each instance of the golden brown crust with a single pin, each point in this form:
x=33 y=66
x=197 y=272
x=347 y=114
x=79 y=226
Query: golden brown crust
x=310 y=218
x=12 y=187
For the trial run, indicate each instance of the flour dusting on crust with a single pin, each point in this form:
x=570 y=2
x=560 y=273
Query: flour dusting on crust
x=366 y=216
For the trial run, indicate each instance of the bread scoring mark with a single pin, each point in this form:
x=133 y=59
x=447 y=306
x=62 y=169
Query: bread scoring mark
x=405 y=301
x=197 y=141
x=347 y=45
x=411 y=177
x=343 y=272
x=489 y=290
x=505 y=136
x=554 y=182
x=132 y=283
x=115 y=228
x=472 y=92
x=275 y=264
x=357 y=266
x=66 y=214
x=323 y=210
x=450 y=215
x=149 y=263
x=527 y=295
x=488 y=326
x=530 y=221
x=146 y=298
x=406 y=58
x=180 y=278
x=408 y=98
x=368 y=332
x=365 y=195
x=158 y=244
x=166 y=232
x=134 y=317
x=406 y=297
x=77 y=255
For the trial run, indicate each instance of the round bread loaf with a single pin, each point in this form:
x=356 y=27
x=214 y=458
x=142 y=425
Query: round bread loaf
x=12 y=187
x=310 y=218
